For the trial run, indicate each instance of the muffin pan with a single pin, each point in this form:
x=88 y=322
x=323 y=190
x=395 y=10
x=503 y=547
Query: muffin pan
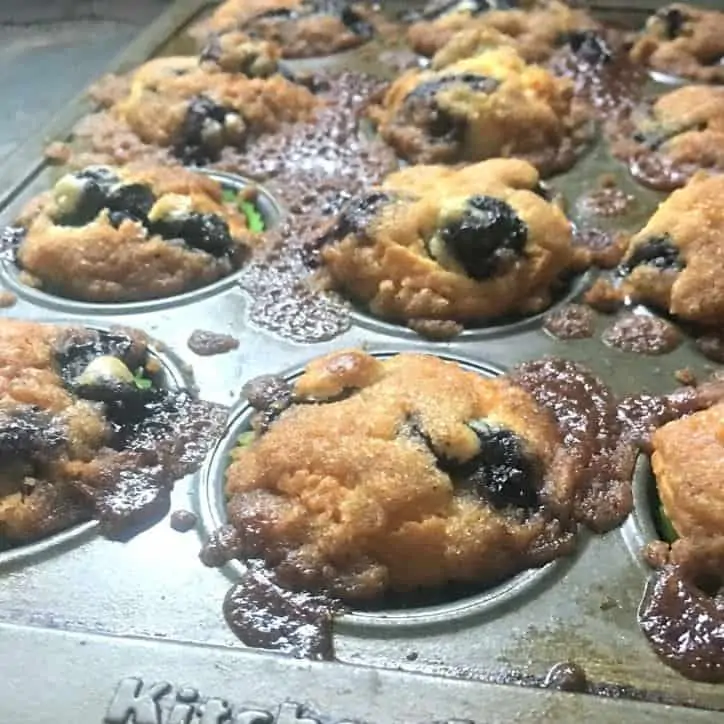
x=136 y=629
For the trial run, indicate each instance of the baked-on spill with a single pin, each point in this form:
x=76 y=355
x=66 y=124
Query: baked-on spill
x=643 y=334
x=90 y=429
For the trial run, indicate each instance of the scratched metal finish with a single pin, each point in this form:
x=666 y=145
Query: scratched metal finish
x=98 y=612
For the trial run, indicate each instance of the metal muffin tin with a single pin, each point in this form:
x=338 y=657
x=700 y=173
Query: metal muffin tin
x=123 y=632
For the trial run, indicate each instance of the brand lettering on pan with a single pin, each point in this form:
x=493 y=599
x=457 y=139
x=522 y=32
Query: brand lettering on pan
x=135 y=702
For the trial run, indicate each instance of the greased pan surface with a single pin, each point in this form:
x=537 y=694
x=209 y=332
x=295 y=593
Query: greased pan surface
x=99 y=613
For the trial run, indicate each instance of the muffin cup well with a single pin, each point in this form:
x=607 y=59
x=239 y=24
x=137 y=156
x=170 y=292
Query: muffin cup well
x=438 y=608
x=11 y=273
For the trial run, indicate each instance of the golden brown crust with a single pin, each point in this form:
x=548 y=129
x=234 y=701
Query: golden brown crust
x=348 y=496
x=31 y=508
x=687 y=277
x=388 y=264
x=688 y=462
x=536 y=32
x=163 y=90
x=103 y=261
x=682 y=132
x=489 y=105
x=297 y=26
x=683 y=40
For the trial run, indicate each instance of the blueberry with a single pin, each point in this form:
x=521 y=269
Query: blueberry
x=207 y=232
x=116 y=218
x=134 y=200
x=474 y=81
x=502 y=473
x=590 y=46
x=487 y=234
x=657 y=251
x=91 y=200
x=354 y=218
x=357 y=215
x=101 y=175
x=192 y=145
x=74 y=351
x=421 y=107
x=353 y=21
x=674 y=21
x=212 y=51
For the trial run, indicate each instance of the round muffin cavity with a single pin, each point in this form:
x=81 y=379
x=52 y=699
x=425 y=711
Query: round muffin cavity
x=382 y=476
x=488 y=105
x=196 y=109
x=301 y=28
x=115 y=235
x=535 y=28
x=88 y=430
x=433 y=242
x=676 y=261
x=685 y=41
x=680 y=133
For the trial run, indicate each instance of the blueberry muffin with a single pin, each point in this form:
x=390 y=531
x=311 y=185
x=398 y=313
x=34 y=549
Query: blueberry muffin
x=433 y=242
x=398 y=474
x=301 y=28
x=114 y=235
x=685 y=41
x=536 y=30
x=196 y=109
x=676 y=262
x=680 y=133
x=688 y=462
x=490 y=105
x=87 y=429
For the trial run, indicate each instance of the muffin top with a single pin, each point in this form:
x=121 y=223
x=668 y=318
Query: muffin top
x=109 y=234
x=683 y=40
x=688 y=462
x=301 y=28
x=397 y=474
x=676 y=262
x=434 y=242
x=491 y=104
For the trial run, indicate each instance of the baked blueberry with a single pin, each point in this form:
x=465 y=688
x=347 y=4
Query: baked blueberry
x=483 y=237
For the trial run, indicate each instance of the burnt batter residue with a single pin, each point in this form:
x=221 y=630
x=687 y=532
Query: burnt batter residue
x=682 y=612
x=571 y=321
x=642 y=334
x=313 y=169
x=206 y=344
x=263 y=615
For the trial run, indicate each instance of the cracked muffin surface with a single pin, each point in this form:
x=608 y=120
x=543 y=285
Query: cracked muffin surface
x=683 y=40
x=492 y=104
x=465 y=244
x=536 y=30
x=87 y=429
x=676 y=262
x=109 y=235
x=197 y=108
x=688 y=463
x=398 y=474
x=301 y=28
x=679 y=134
